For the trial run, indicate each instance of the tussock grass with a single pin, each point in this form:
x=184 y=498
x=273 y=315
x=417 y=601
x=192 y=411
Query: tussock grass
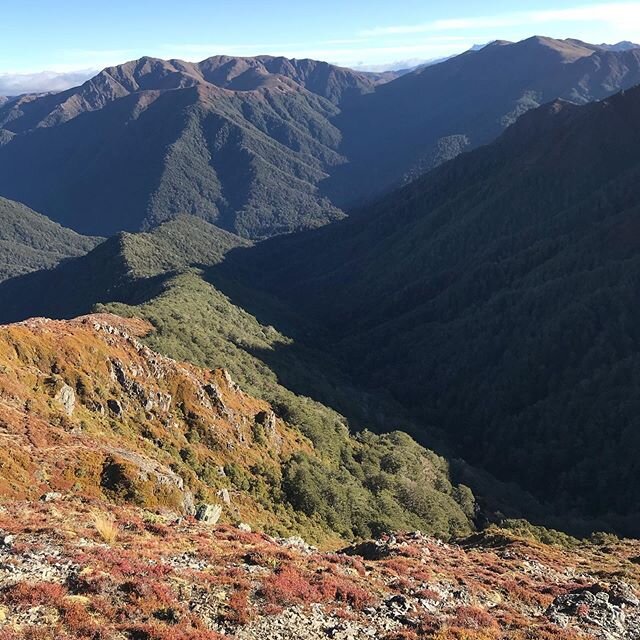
x=106 y=526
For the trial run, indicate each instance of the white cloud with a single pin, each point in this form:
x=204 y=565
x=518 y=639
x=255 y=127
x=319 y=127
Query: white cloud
x=13 y=84
x=619 y=15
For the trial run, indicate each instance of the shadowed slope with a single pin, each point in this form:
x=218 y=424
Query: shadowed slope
x=497 y=296
x=29 y=241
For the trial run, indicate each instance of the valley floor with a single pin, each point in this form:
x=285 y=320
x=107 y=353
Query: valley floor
x=69 y=571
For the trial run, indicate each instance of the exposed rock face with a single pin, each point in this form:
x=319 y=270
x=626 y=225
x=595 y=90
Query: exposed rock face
x=115 y=407
x=140 y=480
x=267 y=419
x=209 y=513
x=67 y=398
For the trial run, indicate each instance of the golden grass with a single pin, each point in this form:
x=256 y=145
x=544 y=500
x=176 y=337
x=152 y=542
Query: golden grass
x=106 y=526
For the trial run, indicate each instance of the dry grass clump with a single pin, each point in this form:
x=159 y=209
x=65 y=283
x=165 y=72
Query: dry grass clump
x=106 y=526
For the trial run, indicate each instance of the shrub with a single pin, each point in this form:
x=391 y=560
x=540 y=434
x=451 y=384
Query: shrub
x=474 y=618
x=288 y=586
x=238 y=610
x=33 y=594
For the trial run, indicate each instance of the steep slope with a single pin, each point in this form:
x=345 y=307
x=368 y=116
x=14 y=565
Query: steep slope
x=264 y=146
x=429 y=116
x=88 y=409
x=250 y=163
x=242 y=142
x=497 y=296
x=29 y=241
x=362 y=489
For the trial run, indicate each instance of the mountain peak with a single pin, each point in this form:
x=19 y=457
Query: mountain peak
x=568 y=50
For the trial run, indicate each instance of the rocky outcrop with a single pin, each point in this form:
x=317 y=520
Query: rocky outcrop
x=86 y=407
x=138 y=479
x=209 y=513
x=611 y=613
x=67 y=398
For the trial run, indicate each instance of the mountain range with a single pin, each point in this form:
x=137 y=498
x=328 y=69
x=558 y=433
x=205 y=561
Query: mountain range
x=392 y=315
x=485 y=287
x=264 y=146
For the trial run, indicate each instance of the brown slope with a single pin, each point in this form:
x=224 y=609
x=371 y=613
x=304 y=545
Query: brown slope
x=153 y=74
x=86 y=408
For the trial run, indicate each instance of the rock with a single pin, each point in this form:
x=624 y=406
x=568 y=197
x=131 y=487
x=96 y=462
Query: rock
x=267 y=419
x=621 y=594
x=243 y=526
x=213 y=393
x=158 y=401
x=209 y=513
x=224 y=494
x=95 y=405
x=136 y=478
x=115 y=407
x=370 y=550
x=229 y=380
x=592 y=606
x=66 y=396
x=7 y=540
x=51 y=496
x=296 y=542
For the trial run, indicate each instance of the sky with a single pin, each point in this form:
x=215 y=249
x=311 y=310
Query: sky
x=40 y=39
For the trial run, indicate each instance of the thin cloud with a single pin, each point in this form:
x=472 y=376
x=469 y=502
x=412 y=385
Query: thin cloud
x=619 y=15
x=45 y=81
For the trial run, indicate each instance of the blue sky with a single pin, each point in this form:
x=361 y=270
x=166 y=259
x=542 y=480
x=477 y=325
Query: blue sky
x=68 y=35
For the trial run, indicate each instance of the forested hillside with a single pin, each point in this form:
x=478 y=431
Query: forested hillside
x=29 y=241
x=497 y=297
x=353 y=485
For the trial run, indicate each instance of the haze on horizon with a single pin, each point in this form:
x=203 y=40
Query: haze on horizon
x=69 y=41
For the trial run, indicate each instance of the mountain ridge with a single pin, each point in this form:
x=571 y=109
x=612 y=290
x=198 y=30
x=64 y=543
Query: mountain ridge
x=266 y=146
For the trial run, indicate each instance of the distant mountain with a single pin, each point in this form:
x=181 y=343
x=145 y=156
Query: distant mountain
x=424 y=118
x=30 y=241
x=498 y=297
x=625 y=45
x=243 y=142
x=264 y=146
